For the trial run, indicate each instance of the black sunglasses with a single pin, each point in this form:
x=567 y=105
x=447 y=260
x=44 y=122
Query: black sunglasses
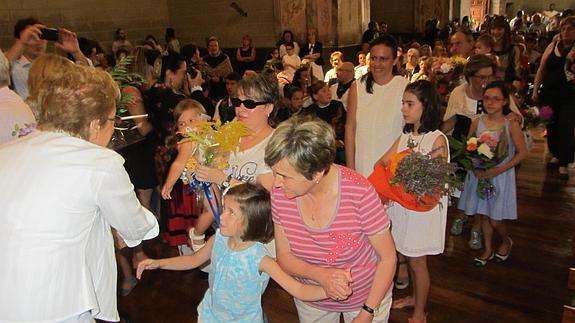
x=249 y=104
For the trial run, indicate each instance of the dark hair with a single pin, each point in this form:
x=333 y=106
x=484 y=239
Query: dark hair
x=23 y=24
x=233 y=76
x=371 y=25
x=188 y=51
x=505 y=91
x=120 y=51
x=173 y=61
x=290 y=44
x=117 y=33
x=387 y=41
x=297 y=76
x=287 y=32
x=477 y=62
x=290 y=90
x=501 y=22
x=270 y=52
x=153 y=38
x=315 y=87
x=431 y=106
x=151 y=56
x=170 y=34
x=255 y=203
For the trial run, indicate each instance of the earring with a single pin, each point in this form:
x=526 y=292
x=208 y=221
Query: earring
x=317 y=181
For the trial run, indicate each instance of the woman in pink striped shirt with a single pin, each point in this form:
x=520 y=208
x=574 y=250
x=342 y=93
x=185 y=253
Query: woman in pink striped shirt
x=330 y=226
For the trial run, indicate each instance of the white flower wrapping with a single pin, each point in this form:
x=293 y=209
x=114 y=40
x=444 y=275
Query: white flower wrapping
x=446 y=68
x=485 y=151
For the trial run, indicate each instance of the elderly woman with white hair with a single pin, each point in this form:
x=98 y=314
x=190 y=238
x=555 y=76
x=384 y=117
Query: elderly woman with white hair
x=66 y=191
x=411 y=62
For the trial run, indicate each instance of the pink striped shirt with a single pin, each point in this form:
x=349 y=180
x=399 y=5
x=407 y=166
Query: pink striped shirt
x=343 y=243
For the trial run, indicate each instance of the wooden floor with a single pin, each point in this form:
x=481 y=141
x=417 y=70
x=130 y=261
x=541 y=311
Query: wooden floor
x=529 y=287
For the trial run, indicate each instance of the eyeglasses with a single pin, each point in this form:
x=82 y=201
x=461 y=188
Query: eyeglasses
x=493 y=99
x=248 y=104
x=120 y=123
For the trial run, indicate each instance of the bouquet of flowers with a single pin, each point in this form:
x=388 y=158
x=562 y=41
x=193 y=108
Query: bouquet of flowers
x=415 y=180
x=213 y=143
x=446 y=73
x=480 y=154
x=534 y=117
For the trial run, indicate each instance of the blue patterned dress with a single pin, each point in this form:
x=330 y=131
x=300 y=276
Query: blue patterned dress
x=502 y=206
x=236 y=284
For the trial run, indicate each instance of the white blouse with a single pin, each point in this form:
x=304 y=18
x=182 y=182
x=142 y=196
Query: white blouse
x=378 y=121
x=60 y=195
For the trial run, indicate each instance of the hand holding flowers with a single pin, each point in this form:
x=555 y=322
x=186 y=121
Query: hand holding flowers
x=481 y=155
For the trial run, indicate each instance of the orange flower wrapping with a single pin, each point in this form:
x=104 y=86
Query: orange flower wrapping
x=380 y=179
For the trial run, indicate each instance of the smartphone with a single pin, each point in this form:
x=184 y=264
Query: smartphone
x=50 y=34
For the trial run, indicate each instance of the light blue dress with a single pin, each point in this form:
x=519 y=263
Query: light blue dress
x=236 y=284
x=502 y=206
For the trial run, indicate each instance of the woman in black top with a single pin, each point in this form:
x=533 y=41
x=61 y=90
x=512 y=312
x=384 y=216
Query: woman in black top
x=559 y=94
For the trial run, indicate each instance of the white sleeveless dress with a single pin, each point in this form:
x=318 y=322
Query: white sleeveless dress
x=419 y=233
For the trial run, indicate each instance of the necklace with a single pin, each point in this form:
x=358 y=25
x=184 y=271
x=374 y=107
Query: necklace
x=411 y=143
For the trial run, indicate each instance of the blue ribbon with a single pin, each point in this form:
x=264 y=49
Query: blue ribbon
x=206 y=186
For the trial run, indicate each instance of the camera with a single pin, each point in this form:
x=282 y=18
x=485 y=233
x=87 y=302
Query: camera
x=50 y=34
x=194 y=72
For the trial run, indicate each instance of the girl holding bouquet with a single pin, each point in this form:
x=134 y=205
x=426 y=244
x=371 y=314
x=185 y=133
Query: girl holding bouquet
x=181 y=205
x=500 y=203
x=418 y=234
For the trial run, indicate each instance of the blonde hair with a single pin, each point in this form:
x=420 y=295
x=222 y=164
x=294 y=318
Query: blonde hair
x=72 y=101
x=184 y=105
x=47 y=67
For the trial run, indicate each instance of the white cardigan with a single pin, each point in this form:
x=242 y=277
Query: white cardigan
x=60 y=195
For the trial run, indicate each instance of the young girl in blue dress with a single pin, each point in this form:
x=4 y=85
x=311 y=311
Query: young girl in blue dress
x=503 y=205
x=241 y=265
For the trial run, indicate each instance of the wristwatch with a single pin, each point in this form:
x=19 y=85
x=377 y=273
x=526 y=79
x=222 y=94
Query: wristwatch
x=368 y=309
x=227 y=182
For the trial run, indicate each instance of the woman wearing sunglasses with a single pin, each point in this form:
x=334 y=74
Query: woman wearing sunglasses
x=255 y=108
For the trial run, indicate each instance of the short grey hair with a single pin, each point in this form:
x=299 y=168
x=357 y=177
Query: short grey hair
x=307 y=143
x=4 y=70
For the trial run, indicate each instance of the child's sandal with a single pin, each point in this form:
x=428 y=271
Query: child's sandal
x=402 y=282
x=194 y=237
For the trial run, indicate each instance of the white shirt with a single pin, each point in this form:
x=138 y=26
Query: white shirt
x=246 y=165
x=19 y=72
x=329 y=75
x=343 y=99
x=16 y=118
x=62 y=195
x=379 y=121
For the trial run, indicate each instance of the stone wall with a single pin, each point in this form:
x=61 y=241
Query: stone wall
x=194 y=23
x=90 y=19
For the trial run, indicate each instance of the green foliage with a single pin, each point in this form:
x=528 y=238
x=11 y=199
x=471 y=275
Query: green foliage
x=124 y=78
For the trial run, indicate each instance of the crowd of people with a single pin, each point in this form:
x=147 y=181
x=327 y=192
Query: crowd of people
x=295 y=201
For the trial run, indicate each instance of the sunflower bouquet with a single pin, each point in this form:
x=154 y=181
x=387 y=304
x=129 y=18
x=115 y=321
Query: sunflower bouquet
x=213 y=144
